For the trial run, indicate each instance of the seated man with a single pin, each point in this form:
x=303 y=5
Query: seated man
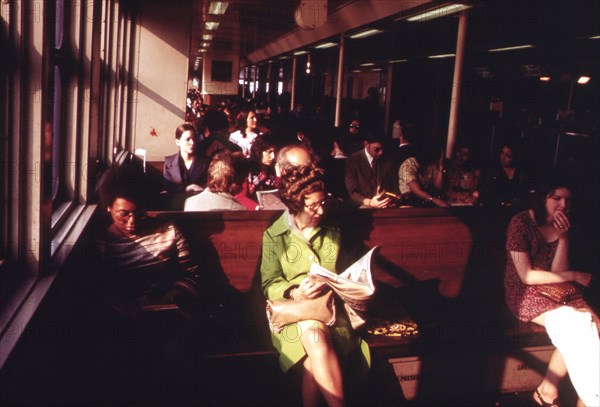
x=410 y=177
x=462 y=179
x=363 y=172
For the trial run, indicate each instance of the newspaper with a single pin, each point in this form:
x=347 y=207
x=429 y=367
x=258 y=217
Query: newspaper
x=269 y=199
x=354 y=286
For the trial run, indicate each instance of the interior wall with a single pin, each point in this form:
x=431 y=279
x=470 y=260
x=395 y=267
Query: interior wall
x=160 y=104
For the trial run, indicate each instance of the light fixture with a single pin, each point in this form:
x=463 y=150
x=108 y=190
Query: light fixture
x=284 y=58
x=367 y=64
x=438 y=12
x=300 y=52
x=594 y=37
x=441 y=56
x=513 y=48
x=308 y=65
x=366 y=33
x=397 y=61
x=545 y=78
x=356 y=71
x=202 y=50
x=205 y=44
x=583 y=80
x=207 y=37
x=211 y=25
x=376 y=70
x=218 y=7
x=326 y=45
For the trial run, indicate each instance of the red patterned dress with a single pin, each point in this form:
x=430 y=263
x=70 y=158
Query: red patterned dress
x=523 y=235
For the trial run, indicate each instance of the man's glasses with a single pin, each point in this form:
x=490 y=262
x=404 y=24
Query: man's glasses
x=376 y=149
x=124 y=216
x=354 y=126
x=315 y=207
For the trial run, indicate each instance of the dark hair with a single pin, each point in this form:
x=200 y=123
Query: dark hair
x=374 y=137
x=242 y=120
x=182 y=128
x=542 y=192
x=226 y=173
x=299 y=182
x=261 y=143
x=409 y=132
x=127 y=182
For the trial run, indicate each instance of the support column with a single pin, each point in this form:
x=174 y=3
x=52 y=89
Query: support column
x=456 y=84
x=340 y=83
x=293 y=90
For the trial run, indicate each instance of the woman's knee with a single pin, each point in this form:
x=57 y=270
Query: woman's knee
x=315 y=336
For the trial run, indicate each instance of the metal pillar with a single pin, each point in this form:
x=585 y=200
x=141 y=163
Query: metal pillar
x=340 y=83
x=456 y=84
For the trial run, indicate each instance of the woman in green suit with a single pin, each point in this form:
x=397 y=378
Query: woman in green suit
x=290 y=245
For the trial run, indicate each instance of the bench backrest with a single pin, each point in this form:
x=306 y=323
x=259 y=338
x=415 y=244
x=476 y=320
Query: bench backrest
x=415 y=245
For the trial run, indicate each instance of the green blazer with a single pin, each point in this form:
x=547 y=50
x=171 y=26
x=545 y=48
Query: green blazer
x=286 y=260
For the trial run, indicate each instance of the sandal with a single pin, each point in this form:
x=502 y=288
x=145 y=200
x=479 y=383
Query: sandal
x=537 y=397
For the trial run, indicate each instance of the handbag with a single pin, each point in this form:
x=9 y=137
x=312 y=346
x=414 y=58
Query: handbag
x=561 y=293
x=285 y=312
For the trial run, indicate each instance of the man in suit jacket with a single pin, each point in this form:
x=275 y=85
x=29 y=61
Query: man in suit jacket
x=362 y=175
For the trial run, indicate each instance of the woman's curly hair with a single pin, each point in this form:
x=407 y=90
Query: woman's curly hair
x=299 y=182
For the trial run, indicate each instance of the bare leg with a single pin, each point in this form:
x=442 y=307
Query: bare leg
x=311 y=394
x=557 y=370
x=323 y=364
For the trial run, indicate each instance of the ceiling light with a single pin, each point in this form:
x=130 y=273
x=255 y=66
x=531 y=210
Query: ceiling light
x=356 y=71
x=218 y=7
x=366 y=33
x=439 y=12
x=205 y=44
x=545 y=78
x=284 y=57
x=516 y=47
x=207 y=37
x=583 y=80
x=202 y=50
x=300 y=52
x=326 y=45
x=211 y=25
x=595 y=37
x=397 y=61
x=441 y=56
x=367 y=64
x=376 y=69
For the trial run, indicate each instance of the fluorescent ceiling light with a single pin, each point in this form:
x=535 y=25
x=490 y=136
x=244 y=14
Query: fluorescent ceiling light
x=441 y=56
x=583 y=80
x=545 y=78
x=207 y=37
x=397 y=61
x=202 y=50
x=376 y=69
x=284 y=57
x=510 y=48
x=205 y=44
x=326 y=45
x=366 y=33
x=300 y=52
x=211 y=25
x=439 y=12
x=218 y=7
x=356 y=71
x=595 y=37
x=367 y=64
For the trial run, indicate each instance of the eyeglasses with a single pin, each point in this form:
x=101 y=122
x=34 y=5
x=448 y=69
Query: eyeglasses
x=124 y=216
x=354 y=126
x=315 y=207
x=376 y=149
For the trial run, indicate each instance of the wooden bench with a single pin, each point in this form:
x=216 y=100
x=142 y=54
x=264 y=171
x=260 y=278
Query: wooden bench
x=443 y=268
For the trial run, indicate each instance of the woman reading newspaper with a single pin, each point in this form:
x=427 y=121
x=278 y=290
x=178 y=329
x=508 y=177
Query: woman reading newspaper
x=326 y=354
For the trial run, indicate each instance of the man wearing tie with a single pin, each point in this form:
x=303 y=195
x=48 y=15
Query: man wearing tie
x=362 y=174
